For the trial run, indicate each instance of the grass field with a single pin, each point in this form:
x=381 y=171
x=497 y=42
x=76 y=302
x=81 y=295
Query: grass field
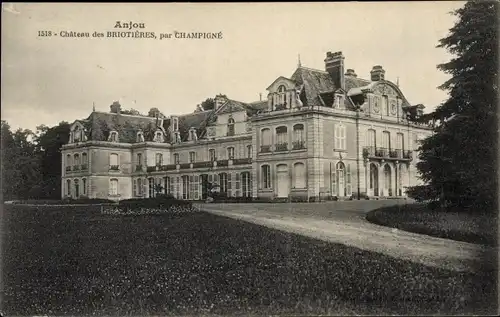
x=75 y=261
x=478 y=228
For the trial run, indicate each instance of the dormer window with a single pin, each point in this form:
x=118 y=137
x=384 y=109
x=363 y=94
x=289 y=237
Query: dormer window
x=280 y=101
x=230 y=127
x=339 y=101
x=158 y=136
x=113 y=136
x=177 y=137
x=140 y=137
x=175 y=124
x=192 y=134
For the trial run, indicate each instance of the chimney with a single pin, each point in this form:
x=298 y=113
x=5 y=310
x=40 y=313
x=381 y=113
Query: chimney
x=219 y=101
x=115 y=107
x=377 y=73
x=334 y=65
x=351 y=73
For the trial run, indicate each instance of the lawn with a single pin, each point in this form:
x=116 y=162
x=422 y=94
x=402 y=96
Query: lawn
x=480 y=228
x=76 y=261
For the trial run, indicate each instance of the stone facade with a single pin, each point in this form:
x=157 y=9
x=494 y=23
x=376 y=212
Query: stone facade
x=319 y=134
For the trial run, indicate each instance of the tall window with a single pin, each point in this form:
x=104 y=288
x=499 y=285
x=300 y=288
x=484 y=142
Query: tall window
x=340 y=136
x=192 y=157
x=249 y=151
x=266 y=140
x=159 y=159
x=84 y=186
x=298 y=136
x=371 y=138
x=113 y=161
x=386 y=140
x=299 y=172
x=68 y=187
x=138 y=187
x=281 y=138
x=85 y=161
x=139 y=159
x=68 y=160
x=185 y=187
x=400 y=142
x=266 y=176
x=77 y=189
x=385 y=105
x=281 y=96
x=229 y=185
x=113 y=187
x=76 y=161
x=211 y=154
x=246 y=184
x=340 y=179
x=230 y=153
x=223 y=182
x=168 y=189
x=230 y=127
x=176 y=158
x=151 y=183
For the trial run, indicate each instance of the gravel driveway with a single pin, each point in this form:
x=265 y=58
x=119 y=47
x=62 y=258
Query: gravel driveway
x=344 y=222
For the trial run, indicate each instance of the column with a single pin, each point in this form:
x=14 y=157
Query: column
x=381 y=180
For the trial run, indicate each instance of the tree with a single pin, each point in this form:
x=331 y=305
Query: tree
x=208 y=104
x=458 y=162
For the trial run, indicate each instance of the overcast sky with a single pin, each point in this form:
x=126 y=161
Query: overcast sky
x=49 y=79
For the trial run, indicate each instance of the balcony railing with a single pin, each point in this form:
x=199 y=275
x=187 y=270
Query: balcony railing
x=203 y=164
x=84 y=167
x=114 y=167
x=281 y=147
x=138 y=168
x=68 y=168
x=185 y=165
x=76 y=167
x=241 y=161
x=373 y=152
x=297 y=145
x=265 y=148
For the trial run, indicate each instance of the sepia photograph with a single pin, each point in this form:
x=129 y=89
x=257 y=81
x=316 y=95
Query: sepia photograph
x=249 y=159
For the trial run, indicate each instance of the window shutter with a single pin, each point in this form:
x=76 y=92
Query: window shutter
x=135 y=187
x=348 y=187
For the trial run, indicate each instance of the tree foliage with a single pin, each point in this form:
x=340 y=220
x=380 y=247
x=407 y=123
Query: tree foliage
x=458 y=162
x=208 y=104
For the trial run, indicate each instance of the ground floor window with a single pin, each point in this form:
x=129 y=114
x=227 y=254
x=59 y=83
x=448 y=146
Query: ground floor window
x=266 y=176
x=168 y=190
x=77 y=189
x=84 y=186
x=113 y=187
x=223 y=182
x=177 y=188
x=151 y=187
x=246 y=184
x=68 y=187
x=185 y=187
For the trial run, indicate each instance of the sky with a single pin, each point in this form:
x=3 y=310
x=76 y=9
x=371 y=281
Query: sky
x=46 y=80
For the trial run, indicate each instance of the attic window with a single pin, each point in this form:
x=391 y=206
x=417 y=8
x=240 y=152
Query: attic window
x=140 y=137
x=158 y=136
x=339 y=101
x=175 y=124
x=177 y=137
x=192 y=134
x=113 y=136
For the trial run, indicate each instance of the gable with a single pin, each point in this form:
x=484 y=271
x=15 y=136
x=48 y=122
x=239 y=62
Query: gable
x=288 y=83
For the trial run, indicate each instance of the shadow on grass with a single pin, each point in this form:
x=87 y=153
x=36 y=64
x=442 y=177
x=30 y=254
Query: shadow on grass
x=479 y=228
x=76 y=261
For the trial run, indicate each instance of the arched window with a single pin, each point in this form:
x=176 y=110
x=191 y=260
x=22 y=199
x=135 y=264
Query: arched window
x=223 y=182
x=282 y=96
x=192 y=157
x=113 y=187
x=298 y=137
x=76 y=162
x=113 y=136
x=176 y=158
x=158 y=136
x=266 y=176
x=230 y=153
x=299 y=173
x=113 y=161
x=68 y=161
x=266 y=140
x=340 y=137
x=281 y=138
x=230 y=127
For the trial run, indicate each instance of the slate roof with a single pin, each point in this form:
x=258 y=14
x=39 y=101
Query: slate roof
x=315 y=82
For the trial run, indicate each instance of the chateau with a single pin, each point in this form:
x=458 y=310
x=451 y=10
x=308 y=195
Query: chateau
x=319 y=134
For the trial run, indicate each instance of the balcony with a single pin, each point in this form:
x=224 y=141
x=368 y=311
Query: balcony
x=222 y=163
x=76 y=168
x=203 y=164
x=114 y=167
x=185 y=165
x=281 y=147
x=265 y=149
x=84 y=167
x=242 y=161
x=384 y=153
x=298 y=145
x=68 y=168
